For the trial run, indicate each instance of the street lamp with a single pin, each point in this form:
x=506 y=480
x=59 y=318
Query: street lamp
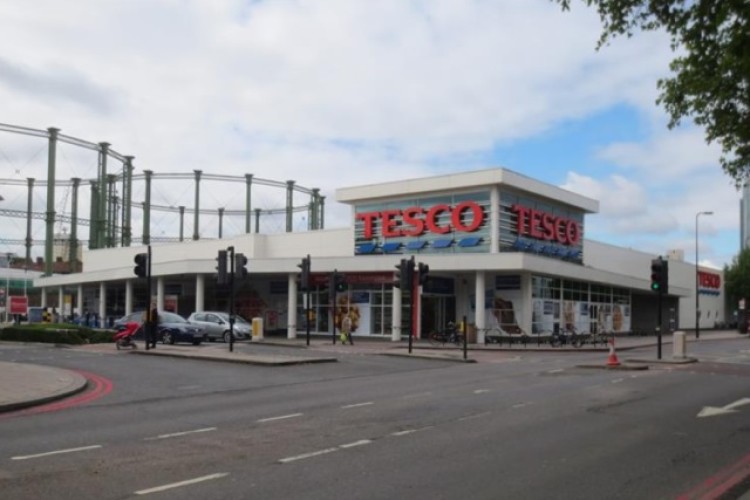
x=697 y=278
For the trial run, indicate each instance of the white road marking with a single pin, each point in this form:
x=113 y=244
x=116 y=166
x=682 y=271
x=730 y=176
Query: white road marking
x=472 y=417
x=557 y=370
x=187 y=482
x=361 y=442
x=520 y=405
x=177 y=434
x=58 y=452
x=417 y=395
x=617 y=380
x=307 y=455
x=282 y=417
x=403 y=433
x=357 y=405
x=480 y=391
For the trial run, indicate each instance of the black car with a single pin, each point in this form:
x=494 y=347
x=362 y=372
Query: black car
x=172 y=328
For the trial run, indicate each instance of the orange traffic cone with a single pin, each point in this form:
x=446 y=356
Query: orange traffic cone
x=612 y=360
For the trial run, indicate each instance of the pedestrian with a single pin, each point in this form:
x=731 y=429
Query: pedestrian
x=346 y=329
x=150 y=320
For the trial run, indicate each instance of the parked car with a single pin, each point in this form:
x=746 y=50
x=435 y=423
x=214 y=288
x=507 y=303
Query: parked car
x=215 y=325
x=171 y=328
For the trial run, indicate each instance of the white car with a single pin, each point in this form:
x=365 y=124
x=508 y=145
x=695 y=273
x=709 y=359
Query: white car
x=215 y=325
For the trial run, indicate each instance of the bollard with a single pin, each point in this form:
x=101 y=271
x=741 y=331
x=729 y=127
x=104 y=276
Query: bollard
x=678 y=345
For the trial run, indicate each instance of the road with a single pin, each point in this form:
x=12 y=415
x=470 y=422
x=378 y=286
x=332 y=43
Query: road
x=517 y=425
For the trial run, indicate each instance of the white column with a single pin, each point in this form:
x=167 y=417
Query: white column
x=160 y=293
x=44 y=297
x=495 y=219
x=200 y=292
x=291 y=325
x=479 y=305
x=102 y=303
x=396 y=315
x=79 y=300
x=128 y=296
x=60 y=301
x=525 y=316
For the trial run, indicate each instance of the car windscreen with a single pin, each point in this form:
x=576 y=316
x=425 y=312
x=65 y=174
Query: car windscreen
x=168 y=317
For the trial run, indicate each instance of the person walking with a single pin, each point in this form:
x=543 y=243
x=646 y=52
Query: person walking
x=346 y=330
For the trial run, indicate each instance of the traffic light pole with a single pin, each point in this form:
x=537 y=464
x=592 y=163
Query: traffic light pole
x=150 y=333
x=658 y=326
x=231 y=298
x=332 y=291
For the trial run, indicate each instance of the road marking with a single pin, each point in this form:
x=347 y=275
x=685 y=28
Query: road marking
x=403 y=433
x=712 y=411
x=177 y=434
x=357 y=405
x=481 y=391
x=556 y=370
x=417 y=395
x=58 y=452
x=361 y=442
x=307 y=455
x=617 y=380
x=472 y=417
x=187 y=482
x=520 y=405
x=282 y=417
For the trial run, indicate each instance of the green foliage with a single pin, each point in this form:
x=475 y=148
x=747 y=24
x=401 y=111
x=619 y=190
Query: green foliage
x=711 y=81
x=737 y=277
x=55 y=334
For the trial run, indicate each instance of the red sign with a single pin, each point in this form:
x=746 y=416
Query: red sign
x=417 y=220
x=709 y=280
x=544 y=226
x=19 y=304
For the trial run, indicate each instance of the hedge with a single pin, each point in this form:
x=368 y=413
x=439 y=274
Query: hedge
x=52 y=333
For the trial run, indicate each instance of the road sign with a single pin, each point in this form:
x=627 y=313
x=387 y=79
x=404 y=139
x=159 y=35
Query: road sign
x=19 y=304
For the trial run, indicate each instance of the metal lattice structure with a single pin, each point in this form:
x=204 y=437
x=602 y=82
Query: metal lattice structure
x=110 y=220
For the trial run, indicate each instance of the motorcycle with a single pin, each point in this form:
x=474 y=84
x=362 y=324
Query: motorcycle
x=124 y=338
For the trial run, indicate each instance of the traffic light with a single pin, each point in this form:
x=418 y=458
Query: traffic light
x=339 y=282
x=240 y=266
x=659 y=275
x=141 y=265
x=304 y=276
x=222 y=277
x=424 y=270
x=404 y=274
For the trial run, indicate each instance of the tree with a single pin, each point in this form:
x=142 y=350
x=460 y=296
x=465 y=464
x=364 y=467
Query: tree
x=711 y=76
x=737 y=280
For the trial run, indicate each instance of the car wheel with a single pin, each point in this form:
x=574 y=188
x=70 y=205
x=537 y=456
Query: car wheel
x=227 y=338
x=167 y=338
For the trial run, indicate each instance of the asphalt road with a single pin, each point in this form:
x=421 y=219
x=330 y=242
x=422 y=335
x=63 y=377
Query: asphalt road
x=521 y=425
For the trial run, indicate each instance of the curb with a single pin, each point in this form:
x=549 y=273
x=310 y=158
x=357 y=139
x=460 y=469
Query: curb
x=431 y=357
x=672 y=361
x=78 y=384
x=621 y=366
x=244 y=360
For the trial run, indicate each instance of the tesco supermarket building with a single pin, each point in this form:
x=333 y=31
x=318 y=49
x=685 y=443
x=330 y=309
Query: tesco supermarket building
x=506 y=251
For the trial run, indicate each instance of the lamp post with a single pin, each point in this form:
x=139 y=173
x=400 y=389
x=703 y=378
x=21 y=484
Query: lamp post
x=7 y=284
x=697 y=278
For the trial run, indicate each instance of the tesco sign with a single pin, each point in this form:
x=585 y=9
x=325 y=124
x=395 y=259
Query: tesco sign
x=415 y=221
x=541 y=225
x=709 y=280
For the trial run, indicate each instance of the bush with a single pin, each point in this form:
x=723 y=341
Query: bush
x=55 y=334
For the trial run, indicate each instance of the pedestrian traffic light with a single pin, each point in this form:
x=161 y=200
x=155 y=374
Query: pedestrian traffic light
x=659 y=275
x=424 y=270
x=240 y=266
x=222 y=277
x=141 y=265
x=304 y=276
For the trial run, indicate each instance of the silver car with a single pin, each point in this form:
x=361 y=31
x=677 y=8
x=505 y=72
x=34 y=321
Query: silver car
x=215 y=325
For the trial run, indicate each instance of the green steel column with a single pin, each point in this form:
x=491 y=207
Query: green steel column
x=221 y=221
x=257 y=220
x=29 y=205
x=111 y=210
x=92 y=218
x=196 y=227
x=321 y=205
x=127 y=200
x=50 y=217
x=248 y=199
x=147 y=210
x=289 y=205
x=315 y=200
x=102 y=231
x=73 y=246
x=182 y=223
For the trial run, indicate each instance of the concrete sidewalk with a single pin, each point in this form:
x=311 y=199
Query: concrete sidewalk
x=26 y=385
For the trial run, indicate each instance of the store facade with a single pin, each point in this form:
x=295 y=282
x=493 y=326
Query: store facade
x=506 y=251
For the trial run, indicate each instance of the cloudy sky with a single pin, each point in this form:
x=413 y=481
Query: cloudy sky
x=334 y=93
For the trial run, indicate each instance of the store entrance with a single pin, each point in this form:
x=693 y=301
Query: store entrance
x=436 y=312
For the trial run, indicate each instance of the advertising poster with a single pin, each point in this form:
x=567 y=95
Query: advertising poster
x=357 y=306
x=503 y=311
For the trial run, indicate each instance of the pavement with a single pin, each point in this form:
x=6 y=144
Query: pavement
x=25 y=385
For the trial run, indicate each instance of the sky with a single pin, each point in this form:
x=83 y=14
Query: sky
x=338 y=93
